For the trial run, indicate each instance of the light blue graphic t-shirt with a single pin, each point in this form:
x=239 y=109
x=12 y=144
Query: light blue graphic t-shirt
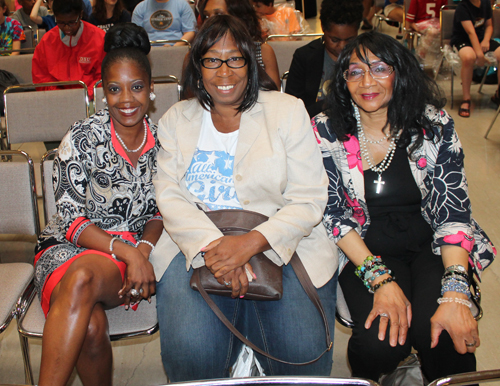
x=210 y=175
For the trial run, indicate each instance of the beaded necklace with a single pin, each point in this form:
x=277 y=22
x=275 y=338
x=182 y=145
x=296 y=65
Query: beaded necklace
x=140 y=146
x=366 y=155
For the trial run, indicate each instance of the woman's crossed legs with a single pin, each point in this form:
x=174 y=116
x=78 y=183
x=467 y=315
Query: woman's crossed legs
x=76 y=330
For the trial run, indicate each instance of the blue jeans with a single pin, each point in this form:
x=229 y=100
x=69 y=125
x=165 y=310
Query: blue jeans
x=196 y=345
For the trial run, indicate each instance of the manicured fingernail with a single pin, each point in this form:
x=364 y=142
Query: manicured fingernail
x=254 y=275
x=149 y=300
x=202 y=249
x=242 y=296
x=126 y=307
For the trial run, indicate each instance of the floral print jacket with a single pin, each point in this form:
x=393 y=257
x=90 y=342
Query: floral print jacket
x=438 y=169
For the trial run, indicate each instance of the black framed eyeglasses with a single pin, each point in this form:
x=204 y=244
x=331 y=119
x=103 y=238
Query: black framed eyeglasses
x=70 y=24
x=377 y=71
x=214 y=63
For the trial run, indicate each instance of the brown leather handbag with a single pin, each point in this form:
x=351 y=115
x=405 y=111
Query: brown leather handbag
x=268 y=286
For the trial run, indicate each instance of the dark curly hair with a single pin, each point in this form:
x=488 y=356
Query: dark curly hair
x=412 y=91
x=213 y=30
x=99 y=11
x=4 y=4
x=341 y=12
x=126 y=41
x=243 y=10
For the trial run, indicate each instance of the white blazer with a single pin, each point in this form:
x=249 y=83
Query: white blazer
x=278 y=171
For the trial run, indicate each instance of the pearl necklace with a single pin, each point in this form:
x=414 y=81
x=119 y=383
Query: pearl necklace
x=140 y=146
x=366 y=155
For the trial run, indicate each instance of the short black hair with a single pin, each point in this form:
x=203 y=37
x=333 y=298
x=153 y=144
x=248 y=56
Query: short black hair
x=67 y=7
x=412 y=91
x=126 y=41
x=3 y=3
x=214 y=29
x=343 y=12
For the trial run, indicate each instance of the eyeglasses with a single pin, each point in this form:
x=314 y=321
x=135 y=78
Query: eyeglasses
x=234 y=62
x=70 y=24
x=377 y=71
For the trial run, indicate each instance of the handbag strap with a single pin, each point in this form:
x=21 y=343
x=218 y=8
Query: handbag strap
x=311 y=292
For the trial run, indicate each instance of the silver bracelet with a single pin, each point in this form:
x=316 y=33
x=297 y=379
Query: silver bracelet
x=147 y=243
x=456 y=300
x=111 y=246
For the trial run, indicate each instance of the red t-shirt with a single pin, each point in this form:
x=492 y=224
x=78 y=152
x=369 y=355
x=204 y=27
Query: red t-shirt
x=421 y=10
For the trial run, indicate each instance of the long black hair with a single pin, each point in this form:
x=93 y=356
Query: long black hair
x=213 y=30
x=412 y=91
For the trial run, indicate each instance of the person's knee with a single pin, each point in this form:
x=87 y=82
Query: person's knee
x=468 y=58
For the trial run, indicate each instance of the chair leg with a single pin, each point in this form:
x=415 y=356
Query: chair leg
x=28 y=372
x=484 y=78
x=492 y=122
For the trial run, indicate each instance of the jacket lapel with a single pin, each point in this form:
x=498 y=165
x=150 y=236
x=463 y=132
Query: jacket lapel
x=188 y=141
x=250 y=127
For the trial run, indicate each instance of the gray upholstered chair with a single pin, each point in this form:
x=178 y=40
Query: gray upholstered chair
x=167 y=90
x=284 y=49
x=46 y=166
x=167 y=60
x=43 y=116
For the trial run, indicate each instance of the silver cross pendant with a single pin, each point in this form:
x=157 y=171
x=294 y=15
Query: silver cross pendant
x=379 y=183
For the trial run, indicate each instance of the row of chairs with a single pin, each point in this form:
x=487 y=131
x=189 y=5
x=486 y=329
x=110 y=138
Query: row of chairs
x=31 y=116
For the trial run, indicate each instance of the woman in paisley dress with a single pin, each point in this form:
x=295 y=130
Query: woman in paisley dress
x=93 y=255
x=399 y=211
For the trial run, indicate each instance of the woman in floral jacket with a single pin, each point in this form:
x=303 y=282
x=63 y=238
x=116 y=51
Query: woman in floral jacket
x=397 y=200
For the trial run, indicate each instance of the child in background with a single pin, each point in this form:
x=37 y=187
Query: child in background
x=47 y=22
x=279 y=20
x=11 y=31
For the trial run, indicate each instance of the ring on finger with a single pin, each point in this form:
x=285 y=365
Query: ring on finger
x=141 y=291
x=473 y=344
x=227 y=284
x=134 y=292
x=384 y=315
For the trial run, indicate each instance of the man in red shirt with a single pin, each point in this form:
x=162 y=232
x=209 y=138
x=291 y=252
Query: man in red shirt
x=73 y=51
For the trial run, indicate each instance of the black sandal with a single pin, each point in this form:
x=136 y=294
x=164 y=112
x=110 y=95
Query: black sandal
x=462 y=111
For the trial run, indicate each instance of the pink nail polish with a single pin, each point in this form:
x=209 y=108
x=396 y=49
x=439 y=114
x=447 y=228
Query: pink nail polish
x=254 y=275
x=242 y=296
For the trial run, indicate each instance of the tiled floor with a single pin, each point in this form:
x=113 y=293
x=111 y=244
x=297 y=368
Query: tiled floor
x=137 y=362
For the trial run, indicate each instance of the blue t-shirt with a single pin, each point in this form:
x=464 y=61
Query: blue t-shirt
x=164 y=21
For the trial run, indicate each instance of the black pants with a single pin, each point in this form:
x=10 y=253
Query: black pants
x=420 y=279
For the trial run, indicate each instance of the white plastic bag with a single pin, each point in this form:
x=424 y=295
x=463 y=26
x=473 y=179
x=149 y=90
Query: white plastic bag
x=246 y=365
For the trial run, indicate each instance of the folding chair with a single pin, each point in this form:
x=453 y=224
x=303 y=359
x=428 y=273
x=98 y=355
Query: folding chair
x=468 y=378
x=283 y=381
x=167 y=61
x=30 y=41
x=49 y=115
x=18 y=215
x=19 y=208
x=122 y=324
x=409 y=35
x=380 y=17
x=167 y=90
x=284 y=49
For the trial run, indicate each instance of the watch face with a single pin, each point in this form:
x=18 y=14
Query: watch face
x=161 y=19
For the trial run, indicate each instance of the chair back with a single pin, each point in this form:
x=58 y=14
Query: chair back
x=167 y=90
x=19 y=65
x=167 y=61
x=446 y=16
x=19 y=208
x=43 y=116
x=29 y=42
x=49 y=202
x=284 y=49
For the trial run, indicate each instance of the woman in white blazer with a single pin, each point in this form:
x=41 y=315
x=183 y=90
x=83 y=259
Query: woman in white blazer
x=238 y=145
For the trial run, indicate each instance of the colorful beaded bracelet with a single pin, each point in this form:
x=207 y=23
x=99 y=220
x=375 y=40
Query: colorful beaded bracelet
x=383 y=282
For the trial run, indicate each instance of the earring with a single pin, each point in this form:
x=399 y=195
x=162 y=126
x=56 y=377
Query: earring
x=152 y=96
x=104 y=100
x=199 y=84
